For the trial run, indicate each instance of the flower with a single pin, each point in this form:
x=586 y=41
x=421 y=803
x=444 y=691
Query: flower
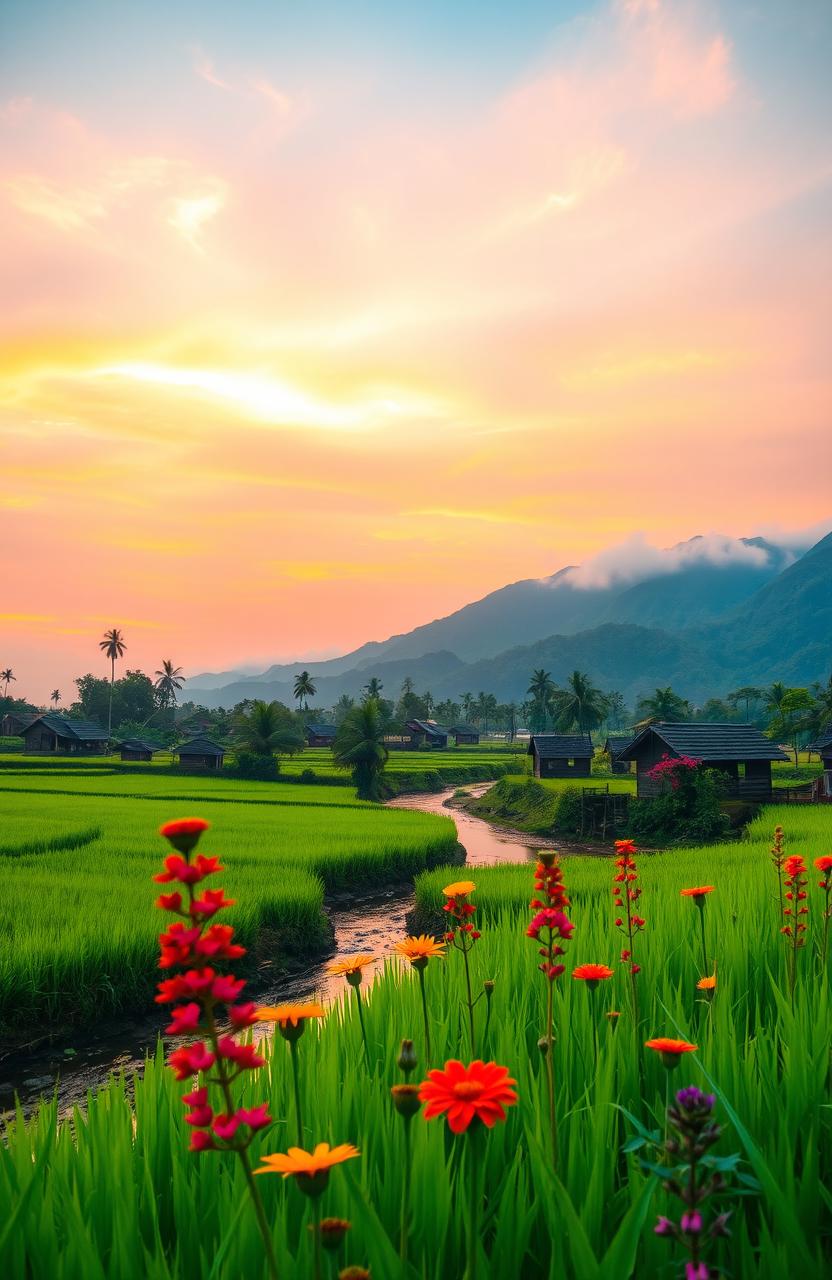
x=177 y=868
x=310 y=1169
x=479 y=1092
x=406 y=1098
x=626 y=846
x=697 y=893
x=459 y=888
x=185 y=1019
x=592 y=974
x=184 y=833
x=707 y=984
x=290 y=1013
x=190 y=1059
x=671 y=1050
x=332 y=1231
x=824 y=863
x=419 y=949
x=351 y=967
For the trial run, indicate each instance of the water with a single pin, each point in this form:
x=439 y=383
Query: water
x=369 y=925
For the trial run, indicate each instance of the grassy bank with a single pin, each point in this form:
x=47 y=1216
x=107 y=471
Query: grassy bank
x=540 y=806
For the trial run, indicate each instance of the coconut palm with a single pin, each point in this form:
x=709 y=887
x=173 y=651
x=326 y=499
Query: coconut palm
x=580 y=705
x=540 y=690
x=373 y=688
x=168 y=683
x=359 y=746
x=55 y=696
x=486 y=706
x=304 y=690
x=748 y=693
x=663 y=705
x=466 y=701
x=7 y=677
x=114 y=647
x=267 y=729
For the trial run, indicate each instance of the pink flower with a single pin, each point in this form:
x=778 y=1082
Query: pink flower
x=212 y=901
x=185 y=1019
x=243 y=1015
x=201 y=1141
x=226 y=1126
x=216 y=942
x=255 y=1117
x=226 y=988
x=245 y=1056
x=190 y=1059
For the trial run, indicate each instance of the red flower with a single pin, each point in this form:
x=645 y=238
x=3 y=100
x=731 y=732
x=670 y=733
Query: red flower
x=478 y=1092
x=216 y=942
x=824 y=863
x=184 y=833
x=592 y=974
x=177 y=868
x=212 y=901
x=201 y=1141
x=699 y=892
x=226 y=988
x=185 y=1019
x=549 y=918
x=671 y=1050
x=226 y=1126
x=255 y=1117
x=244 y=1056
x=242 y=1015
x=193 y=983
x=626 y=846
x=169 y=901
x=190 y=1059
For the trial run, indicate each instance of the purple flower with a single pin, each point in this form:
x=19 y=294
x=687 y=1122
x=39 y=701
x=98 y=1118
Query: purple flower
x=692 y=1223
x=696 y=1271
x=693 y=1099
x=664 y=1227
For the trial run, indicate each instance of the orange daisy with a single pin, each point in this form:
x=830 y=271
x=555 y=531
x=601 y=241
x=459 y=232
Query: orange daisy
x=421 y=947
x=309 y=1168
x=480 y=1091
x=671 y=1050
x=707 y=984
x=459 y=888
x=350 y=965
x=290 y=1014
x=592 y=974
x=699 y=892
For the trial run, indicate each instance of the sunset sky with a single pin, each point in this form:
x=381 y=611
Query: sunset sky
x=321 y=320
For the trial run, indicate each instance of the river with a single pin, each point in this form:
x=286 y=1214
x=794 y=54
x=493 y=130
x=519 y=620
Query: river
x=368 y=924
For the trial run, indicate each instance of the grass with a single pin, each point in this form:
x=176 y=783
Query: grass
x=114 y=1193
x=77 y=854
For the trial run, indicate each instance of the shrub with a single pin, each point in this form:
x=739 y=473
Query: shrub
x=308 y=776
x=568 y=812
x=688 y=808
x=255 y=767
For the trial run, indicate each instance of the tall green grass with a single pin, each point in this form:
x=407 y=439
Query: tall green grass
x=114 y=1193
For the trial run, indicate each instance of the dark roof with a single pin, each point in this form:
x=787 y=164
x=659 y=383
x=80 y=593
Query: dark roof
x=709 y=742
x=464 y=728
x=200 y=747
x=322 y=730
x=427 y=726
x=137 y=744
x=561 y=746
x=80 y=730
x=823 y=743
x=614 y=746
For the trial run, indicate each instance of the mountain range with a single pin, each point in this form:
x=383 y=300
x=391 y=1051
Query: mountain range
x=706 y=616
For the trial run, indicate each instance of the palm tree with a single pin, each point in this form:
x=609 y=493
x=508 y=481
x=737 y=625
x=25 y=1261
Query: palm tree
x=55 y=696
x=267 y=729
x=466 y=701
x=511 y=710
x=540 y=689
x=664 y=705
x=579 y=705
x=748 y=693
x=114 y=647
x=304 y=689
x=373 y=688
x=486 y=705
x=168 y=683
x=7 y=677
x=820 y=717
x=615 y=709
x=344 y=704
x=359 y=746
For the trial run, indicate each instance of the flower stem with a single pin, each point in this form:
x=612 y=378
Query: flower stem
x=701 y=905
x=317 y=1242
x=550 y=1068
x=474 y=1202
x=293 y=1052
x=361 y=1020
x=470 y=995
x=421 y=974
x=405 y=1213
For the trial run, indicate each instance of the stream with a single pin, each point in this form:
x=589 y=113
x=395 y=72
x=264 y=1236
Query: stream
x=369 y=924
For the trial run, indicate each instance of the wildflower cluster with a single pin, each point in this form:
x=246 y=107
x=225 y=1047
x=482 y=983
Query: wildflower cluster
x=625 y=894
x=824 y=866
x=778 y=857
x=673 y=770
x=459 y=912
x=550 y=902
x=195 y=945
x=694 y=1131
x=795 y=882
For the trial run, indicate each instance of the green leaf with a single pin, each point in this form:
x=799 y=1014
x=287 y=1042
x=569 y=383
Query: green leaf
x=620 y=1259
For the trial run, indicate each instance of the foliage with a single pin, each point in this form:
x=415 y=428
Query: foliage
x=133 y=698
x=579 y=706
x=687 y=808
x=260 y=768
x=359 y=747
x=663 y=705
x=267 y=729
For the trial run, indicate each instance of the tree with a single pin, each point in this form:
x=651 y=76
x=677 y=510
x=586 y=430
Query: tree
x=359 y=746
x=747 y=694
x=580 y=705
x=55 y=696
x=267 y=729
x=466 y=701
x=304 y=690
x=168 y=683
x=114 y=647
x=7 y=677
x=664 y=704
x=410 y=706
x=616 y=709
x=344 y=705
x=486 y=706
x=510 y=711
x=135 y=698
x=820 y=717
x=373 y=688
x=788 y=718
x=448 y=711
x=540 y=690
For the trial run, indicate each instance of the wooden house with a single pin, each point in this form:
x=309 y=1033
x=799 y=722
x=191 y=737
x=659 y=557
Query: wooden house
x=427 y=733
x=613 y=748
x=823 y=746
x=400 y=742
x=738 y=750
x=200 y=753
x=13 y=724
x=136 y=749
x=561 y=755
x=320 y=735
x=54 y=733
x=465 y=734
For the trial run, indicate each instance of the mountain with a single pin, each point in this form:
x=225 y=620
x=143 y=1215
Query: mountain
x=701 y=579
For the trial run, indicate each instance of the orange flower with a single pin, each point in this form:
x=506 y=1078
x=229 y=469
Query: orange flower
x=707 y=984
x=350 y=965
x=824 y=863
x=700 y=892
x=591 y=973
x=309 y=1168
x=459 y=888
x=290 y=1014
x=671 y=1050
x=184 y=833
x=421 y=948
x=479 y=1092
x=626 y=846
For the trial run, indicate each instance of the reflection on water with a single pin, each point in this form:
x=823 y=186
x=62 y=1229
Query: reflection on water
x=370 y=925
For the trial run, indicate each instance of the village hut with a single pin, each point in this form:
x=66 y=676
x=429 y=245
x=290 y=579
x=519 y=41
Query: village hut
x=57 y=734
x=561 y=755
x=465 y=735
x=200 y=753
x=320 y=735
x=738 y=750
x=136 y=749
x=613 y=748
x=427 y=733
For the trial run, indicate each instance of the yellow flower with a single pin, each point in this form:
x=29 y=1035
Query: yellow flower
x=350 y=964
x=459 y=889
x=422 y=947
x=308 y=1163
x=290 y=1013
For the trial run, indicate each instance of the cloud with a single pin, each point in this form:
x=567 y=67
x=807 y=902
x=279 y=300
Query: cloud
x=635 y=560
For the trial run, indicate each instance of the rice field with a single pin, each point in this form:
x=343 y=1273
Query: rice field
x=763 y=1053
x=76 y=853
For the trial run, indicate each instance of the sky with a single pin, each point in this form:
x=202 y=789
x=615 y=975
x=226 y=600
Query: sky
x=319 y=321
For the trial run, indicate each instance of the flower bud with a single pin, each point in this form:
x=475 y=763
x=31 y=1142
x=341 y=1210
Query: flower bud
x=332 y=1231
x=488 y=988
x=405 y=1099
x=543 y=1045
x=354 y=1273
x=407 y=1060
